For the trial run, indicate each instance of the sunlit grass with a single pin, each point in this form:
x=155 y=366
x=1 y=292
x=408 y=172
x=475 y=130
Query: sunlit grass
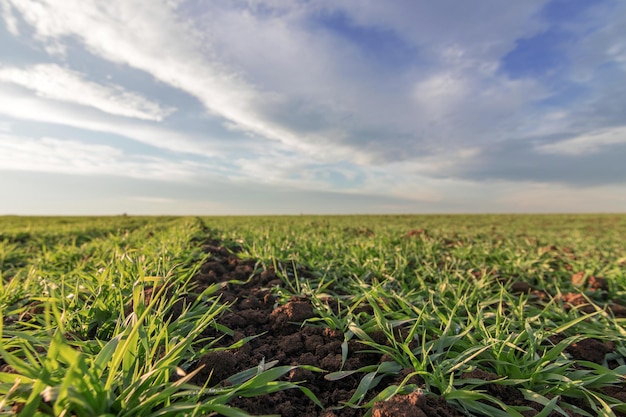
x=86 y=328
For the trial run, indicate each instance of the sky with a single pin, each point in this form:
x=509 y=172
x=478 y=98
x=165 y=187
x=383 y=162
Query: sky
x=231 y=107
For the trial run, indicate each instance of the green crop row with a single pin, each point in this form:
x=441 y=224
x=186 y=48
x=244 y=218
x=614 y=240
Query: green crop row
x=88 y=327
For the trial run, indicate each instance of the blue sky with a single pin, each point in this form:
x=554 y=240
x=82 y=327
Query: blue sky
x=328 y=106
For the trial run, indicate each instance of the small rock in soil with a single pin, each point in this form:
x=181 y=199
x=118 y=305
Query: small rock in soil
x=591 y=350
x=521 y=287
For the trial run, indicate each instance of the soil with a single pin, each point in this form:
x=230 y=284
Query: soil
x=594 y=295
x=282 y=337
x=415 y=404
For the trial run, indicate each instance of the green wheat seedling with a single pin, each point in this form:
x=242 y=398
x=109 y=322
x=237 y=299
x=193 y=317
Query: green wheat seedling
x=101 y=316
x=100 y=339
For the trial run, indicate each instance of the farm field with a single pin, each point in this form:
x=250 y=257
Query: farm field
x=486 y=315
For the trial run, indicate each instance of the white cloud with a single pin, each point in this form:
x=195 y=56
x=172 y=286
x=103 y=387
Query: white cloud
x=58 y=83
x=149 y=36
x=468 y=105
x=54 y=155
x=9 y=18
x=603 y=41
x=454 y=95
x=437 y=26
x=418 y=180
x=23 y=106
x=344 y=103
x=587 y=143
x=431 y=25
x=278 y=78
x=441 y=90
x=320 y=95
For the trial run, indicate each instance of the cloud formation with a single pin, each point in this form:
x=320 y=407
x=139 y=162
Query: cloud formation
x=58 y=83
x=17 y=105
x=592 y=142
x=52 y=155
x=416 y=100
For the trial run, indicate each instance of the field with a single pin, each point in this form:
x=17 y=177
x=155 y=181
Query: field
x=313 y=316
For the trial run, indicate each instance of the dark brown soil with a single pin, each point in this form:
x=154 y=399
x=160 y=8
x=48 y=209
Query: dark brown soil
x=591 y=350
x=592 y=283
x=596 y=289
x=414 y=405
x=282 y=337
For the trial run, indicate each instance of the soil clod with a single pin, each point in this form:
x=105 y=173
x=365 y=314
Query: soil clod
x=415 y=404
